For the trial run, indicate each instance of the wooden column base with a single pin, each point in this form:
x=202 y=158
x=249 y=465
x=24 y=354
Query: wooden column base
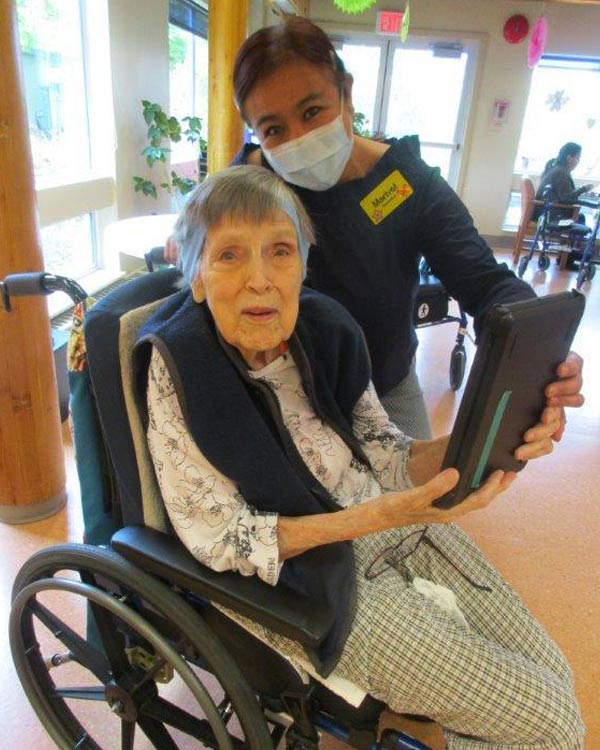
x=15 y=514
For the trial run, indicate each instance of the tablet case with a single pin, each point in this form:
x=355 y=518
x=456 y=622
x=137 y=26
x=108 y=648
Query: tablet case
x=520 y=349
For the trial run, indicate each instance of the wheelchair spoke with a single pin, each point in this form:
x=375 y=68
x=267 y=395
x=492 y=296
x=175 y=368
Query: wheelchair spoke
x=127 y=735
x=167 y=713
x=157 y=734
x=82 y=693
x=113 y=642
x=86 y=655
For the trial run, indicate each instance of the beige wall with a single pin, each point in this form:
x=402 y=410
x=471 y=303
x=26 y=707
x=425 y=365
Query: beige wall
x=139 y=49
x=490 y=151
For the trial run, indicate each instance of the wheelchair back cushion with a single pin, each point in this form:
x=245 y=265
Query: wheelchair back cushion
x=102 y=328
x=154 y=513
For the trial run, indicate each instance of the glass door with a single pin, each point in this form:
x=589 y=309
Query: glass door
x=422 y=87
x=365 y=59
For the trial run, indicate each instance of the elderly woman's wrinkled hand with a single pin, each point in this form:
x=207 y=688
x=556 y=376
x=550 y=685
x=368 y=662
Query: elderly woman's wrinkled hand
x=566 y=391
x=416 y=506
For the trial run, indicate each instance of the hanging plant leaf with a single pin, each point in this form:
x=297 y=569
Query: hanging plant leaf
x=353 y=6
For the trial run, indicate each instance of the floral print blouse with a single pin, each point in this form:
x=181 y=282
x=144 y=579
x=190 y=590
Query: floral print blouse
x=207 y=511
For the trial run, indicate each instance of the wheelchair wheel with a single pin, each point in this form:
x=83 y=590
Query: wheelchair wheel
x=586 y=273
x=458 y=362
x=143 y=682
x=543 y=262
x=523 y=263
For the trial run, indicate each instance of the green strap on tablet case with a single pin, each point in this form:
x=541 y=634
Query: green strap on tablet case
x=490 y=438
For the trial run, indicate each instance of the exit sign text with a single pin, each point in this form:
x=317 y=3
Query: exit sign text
x=389 y=22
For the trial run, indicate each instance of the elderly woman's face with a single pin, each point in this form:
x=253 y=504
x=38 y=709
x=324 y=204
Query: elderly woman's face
x=250 y=275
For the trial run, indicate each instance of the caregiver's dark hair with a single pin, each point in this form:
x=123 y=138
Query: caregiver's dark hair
x=271 y=47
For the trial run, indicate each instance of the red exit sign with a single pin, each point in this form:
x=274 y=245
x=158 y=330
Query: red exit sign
x=389 y=22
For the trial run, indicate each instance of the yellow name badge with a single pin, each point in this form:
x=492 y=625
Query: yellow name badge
x=386 y=197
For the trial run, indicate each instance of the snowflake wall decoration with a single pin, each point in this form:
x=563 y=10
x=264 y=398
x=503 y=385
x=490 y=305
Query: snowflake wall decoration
x=557 y=100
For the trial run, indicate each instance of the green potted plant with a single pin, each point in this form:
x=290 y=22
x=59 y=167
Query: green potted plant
x=163 y=130
x=359 y=125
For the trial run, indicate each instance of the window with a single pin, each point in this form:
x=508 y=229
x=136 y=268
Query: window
x=62 y=243
x=188 y=59
x=71 y=131
x=53 y=71
x=563 y=105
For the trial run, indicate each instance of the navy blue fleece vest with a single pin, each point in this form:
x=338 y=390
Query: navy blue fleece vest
x=234 y=430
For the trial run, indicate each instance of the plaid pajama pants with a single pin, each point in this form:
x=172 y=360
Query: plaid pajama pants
x=498 y=683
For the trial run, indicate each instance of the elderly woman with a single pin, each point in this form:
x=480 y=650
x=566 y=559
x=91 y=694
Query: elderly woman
x=275 y=458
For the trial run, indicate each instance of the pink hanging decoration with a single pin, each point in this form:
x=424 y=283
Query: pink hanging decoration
x=537 y=43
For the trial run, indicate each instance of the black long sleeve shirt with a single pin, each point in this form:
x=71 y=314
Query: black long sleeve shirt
x=562 y=190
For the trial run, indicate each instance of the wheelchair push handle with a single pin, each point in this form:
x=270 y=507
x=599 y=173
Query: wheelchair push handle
x=155 y=257
x=38 y=283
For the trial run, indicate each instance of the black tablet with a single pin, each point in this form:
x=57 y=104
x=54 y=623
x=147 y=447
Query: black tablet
x=519 y=351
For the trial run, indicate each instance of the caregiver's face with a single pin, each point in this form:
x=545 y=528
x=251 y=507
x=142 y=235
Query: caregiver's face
x=293 y=100
x=250 y=275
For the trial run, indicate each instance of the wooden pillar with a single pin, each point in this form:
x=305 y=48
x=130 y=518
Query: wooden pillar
x=227 y=25
x=32 y=473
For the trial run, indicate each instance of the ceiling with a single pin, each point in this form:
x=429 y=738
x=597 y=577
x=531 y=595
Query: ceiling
x=567 y=2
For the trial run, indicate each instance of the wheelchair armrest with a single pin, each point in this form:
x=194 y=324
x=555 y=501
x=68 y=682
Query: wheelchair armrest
x=570 y=206
x=282 y=610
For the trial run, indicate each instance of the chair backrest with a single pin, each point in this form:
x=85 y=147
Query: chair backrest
x=102 y=331
x=527 y=198
x=152 y=504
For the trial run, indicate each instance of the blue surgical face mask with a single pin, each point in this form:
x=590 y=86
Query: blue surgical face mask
x=316 y=159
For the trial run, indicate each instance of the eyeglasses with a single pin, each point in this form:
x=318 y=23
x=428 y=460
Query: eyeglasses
x=394 y=556
x=391 y=557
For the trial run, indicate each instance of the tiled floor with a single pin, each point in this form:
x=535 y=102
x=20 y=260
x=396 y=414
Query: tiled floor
x=543 y=534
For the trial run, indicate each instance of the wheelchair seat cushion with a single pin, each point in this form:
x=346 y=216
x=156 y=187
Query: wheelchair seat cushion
x=281 y=610
x=570 y=227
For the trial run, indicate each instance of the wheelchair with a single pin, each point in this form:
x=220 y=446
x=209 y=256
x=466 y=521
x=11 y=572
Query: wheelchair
x=122 y=641
x=431 y=309
x=587 y=268
x=553 y=236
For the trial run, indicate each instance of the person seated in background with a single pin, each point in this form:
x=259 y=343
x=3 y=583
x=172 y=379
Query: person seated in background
x=557 y=184
x=293 y=90
x=556 y=181
x=275 y=458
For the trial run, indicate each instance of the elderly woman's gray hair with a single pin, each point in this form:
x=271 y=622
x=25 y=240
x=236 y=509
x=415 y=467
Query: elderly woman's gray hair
x=245 y=192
